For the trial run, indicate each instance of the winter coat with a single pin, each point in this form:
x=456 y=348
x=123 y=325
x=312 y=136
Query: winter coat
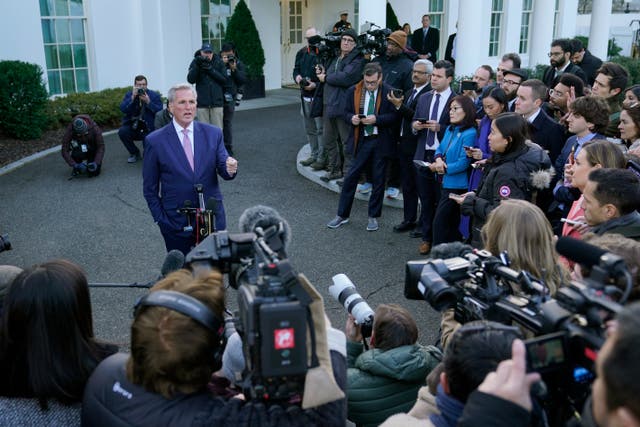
x=516 y=175
x=382 y=383
x=210 y=78
x=341 y=74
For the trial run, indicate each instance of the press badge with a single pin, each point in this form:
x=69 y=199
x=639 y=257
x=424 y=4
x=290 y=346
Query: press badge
x=84 y=148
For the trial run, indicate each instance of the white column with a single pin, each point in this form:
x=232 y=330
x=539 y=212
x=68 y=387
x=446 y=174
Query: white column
x=373 y=11
x=599 y=32
x=567 y=18
x=472 y=39
x=541 y=31
x=512 y=24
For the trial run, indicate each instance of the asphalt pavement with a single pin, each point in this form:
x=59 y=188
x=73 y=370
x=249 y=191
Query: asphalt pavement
x=104 y=225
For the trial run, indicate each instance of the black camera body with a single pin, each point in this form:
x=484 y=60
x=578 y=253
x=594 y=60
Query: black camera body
x=326 y=47
x=273 y=317
x=569 y=328
x=374 y=42
x=140 y=91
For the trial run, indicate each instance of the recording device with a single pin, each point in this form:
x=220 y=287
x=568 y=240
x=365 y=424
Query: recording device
x=468 y=85
x=397 y=93
x=374 y=41
x=201 y=219
x=327 y=47
x=231 y=59
x=140 y=91
x=344 y=291
x=304 y=82
x=422 y=120
x=362 y=116
x=239 y=95
x=570 y=326
x=5 y=244
x=273 y=315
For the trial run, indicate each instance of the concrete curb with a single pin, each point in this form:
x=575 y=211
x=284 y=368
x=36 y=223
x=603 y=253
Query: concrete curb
x=314 y=176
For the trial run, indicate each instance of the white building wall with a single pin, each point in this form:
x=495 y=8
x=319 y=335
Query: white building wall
x=618 y=28
x=266 y=15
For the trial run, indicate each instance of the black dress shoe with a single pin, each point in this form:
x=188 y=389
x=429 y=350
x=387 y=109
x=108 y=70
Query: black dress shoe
x=415 y=234
x=404 y=226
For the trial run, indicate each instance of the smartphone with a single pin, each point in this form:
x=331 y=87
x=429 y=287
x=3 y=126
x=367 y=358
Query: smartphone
x=397 y=92
x=467 y=148
x=422 y=120
x=572 y=222
x=362 y=116
x=422 y=163
x=547 y=353
x=468 y=85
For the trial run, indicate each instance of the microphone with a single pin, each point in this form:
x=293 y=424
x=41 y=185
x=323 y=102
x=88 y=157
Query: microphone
x=172 y=262
x=211 y=205
x=589 y=255
x=450 y=250
x=265 y=217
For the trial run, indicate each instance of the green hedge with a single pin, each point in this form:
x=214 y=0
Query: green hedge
x=23 y=100
x=103 y=107
x=242 y=32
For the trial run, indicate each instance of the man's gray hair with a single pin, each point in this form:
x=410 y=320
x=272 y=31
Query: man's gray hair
x=171 y=96
x=428 y=65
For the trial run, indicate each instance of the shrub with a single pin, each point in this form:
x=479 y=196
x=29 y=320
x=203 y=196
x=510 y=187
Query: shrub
x=23 y=100
x=632 y=65
x=392 y=19
x=102 y=106
x=242 y=32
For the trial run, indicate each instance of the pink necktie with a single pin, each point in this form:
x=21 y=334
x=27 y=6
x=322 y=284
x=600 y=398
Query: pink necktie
x=186 y=145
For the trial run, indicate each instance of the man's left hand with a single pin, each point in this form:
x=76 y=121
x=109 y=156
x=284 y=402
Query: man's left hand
x=232 y=166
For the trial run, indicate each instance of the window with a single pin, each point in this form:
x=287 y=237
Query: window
x=494 y=29
x=356 y=16
x=436 y=12
x=214 y=21
x=527 y=6
x=555 y=19
x=295 y=21
x=65 y=47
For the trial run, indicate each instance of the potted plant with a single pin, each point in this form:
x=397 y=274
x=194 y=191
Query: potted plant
x=243 y=34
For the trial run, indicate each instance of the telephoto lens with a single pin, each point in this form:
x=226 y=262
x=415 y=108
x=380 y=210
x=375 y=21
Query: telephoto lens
x=344 y=291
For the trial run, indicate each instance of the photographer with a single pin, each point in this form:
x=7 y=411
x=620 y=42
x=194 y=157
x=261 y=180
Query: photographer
x=237 y=77
x=165 y=379
x=392 y=371
x=503 y=398
x=475 y=350
x=139 y=106
x=305 y=76
x=209 y=74
x=83 y=146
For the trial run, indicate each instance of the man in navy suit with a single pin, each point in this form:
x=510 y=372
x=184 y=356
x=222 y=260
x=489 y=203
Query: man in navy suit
x=426 y=40
x=372 y=118
x=406 y=105
x=430 y=121
x=176 y=158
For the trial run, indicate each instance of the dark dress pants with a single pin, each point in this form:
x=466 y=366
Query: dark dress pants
x=367 y=150
x=429 y=194
x=227 y=126
x=446 y=221
x=409 y=190
x=127 y=136
x=184 y=241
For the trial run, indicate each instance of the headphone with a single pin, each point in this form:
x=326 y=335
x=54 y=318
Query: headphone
x=192 y=308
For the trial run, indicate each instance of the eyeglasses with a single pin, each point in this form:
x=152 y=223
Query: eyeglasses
x=455 y=108
x=373 y=83
x=555 y=93
x=510 y=82
x=552 y=54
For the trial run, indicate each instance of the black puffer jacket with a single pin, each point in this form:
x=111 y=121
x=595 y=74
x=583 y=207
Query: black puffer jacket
x=516 y=175
x=210 y=78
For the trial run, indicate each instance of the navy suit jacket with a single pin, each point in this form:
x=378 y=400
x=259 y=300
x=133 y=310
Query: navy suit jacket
x=168 y=179
x=422 y=112
x=432 y=42
x=548 y=134
x=408 y=140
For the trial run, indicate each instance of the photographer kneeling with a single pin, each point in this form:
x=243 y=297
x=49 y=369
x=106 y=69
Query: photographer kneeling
x=165 y=380
x=83 y=146
x=384 y=380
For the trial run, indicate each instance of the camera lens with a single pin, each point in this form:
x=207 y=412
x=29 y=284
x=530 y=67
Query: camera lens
x=345 y=292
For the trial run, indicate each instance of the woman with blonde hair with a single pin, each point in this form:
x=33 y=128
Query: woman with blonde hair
x=520 y=229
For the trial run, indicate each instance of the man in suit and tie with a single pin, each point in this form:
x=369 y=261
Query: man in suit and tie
x=426 y=40
x=406 y=105
x=176 y=158
x=430 y=121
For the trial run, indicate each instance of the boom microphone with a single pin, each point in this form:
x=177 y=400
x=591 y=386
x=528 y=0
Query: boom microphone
x=450 y=250
x=265 y=218
x=589 y=255
x=172 y=262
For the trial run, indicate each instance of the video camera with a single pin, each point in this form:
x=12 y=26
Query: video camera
x=327 y=47
x=273 y=315
x=140 y=91
x=569 y=328
x=5 y=244
x=374 y=41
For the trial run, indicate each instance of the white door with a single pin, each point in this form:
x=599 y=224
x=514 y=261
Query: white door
x=292 y=37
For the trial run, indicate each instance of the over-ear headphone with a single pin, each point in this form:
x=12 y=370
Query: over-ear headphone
x=192 y=308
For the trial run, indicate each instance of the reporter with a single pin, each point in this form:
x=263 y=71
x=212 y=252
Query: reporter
x=531 y=247
x=503 y=397
x=385 y=379
x=47 y=346
x=516 y=169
